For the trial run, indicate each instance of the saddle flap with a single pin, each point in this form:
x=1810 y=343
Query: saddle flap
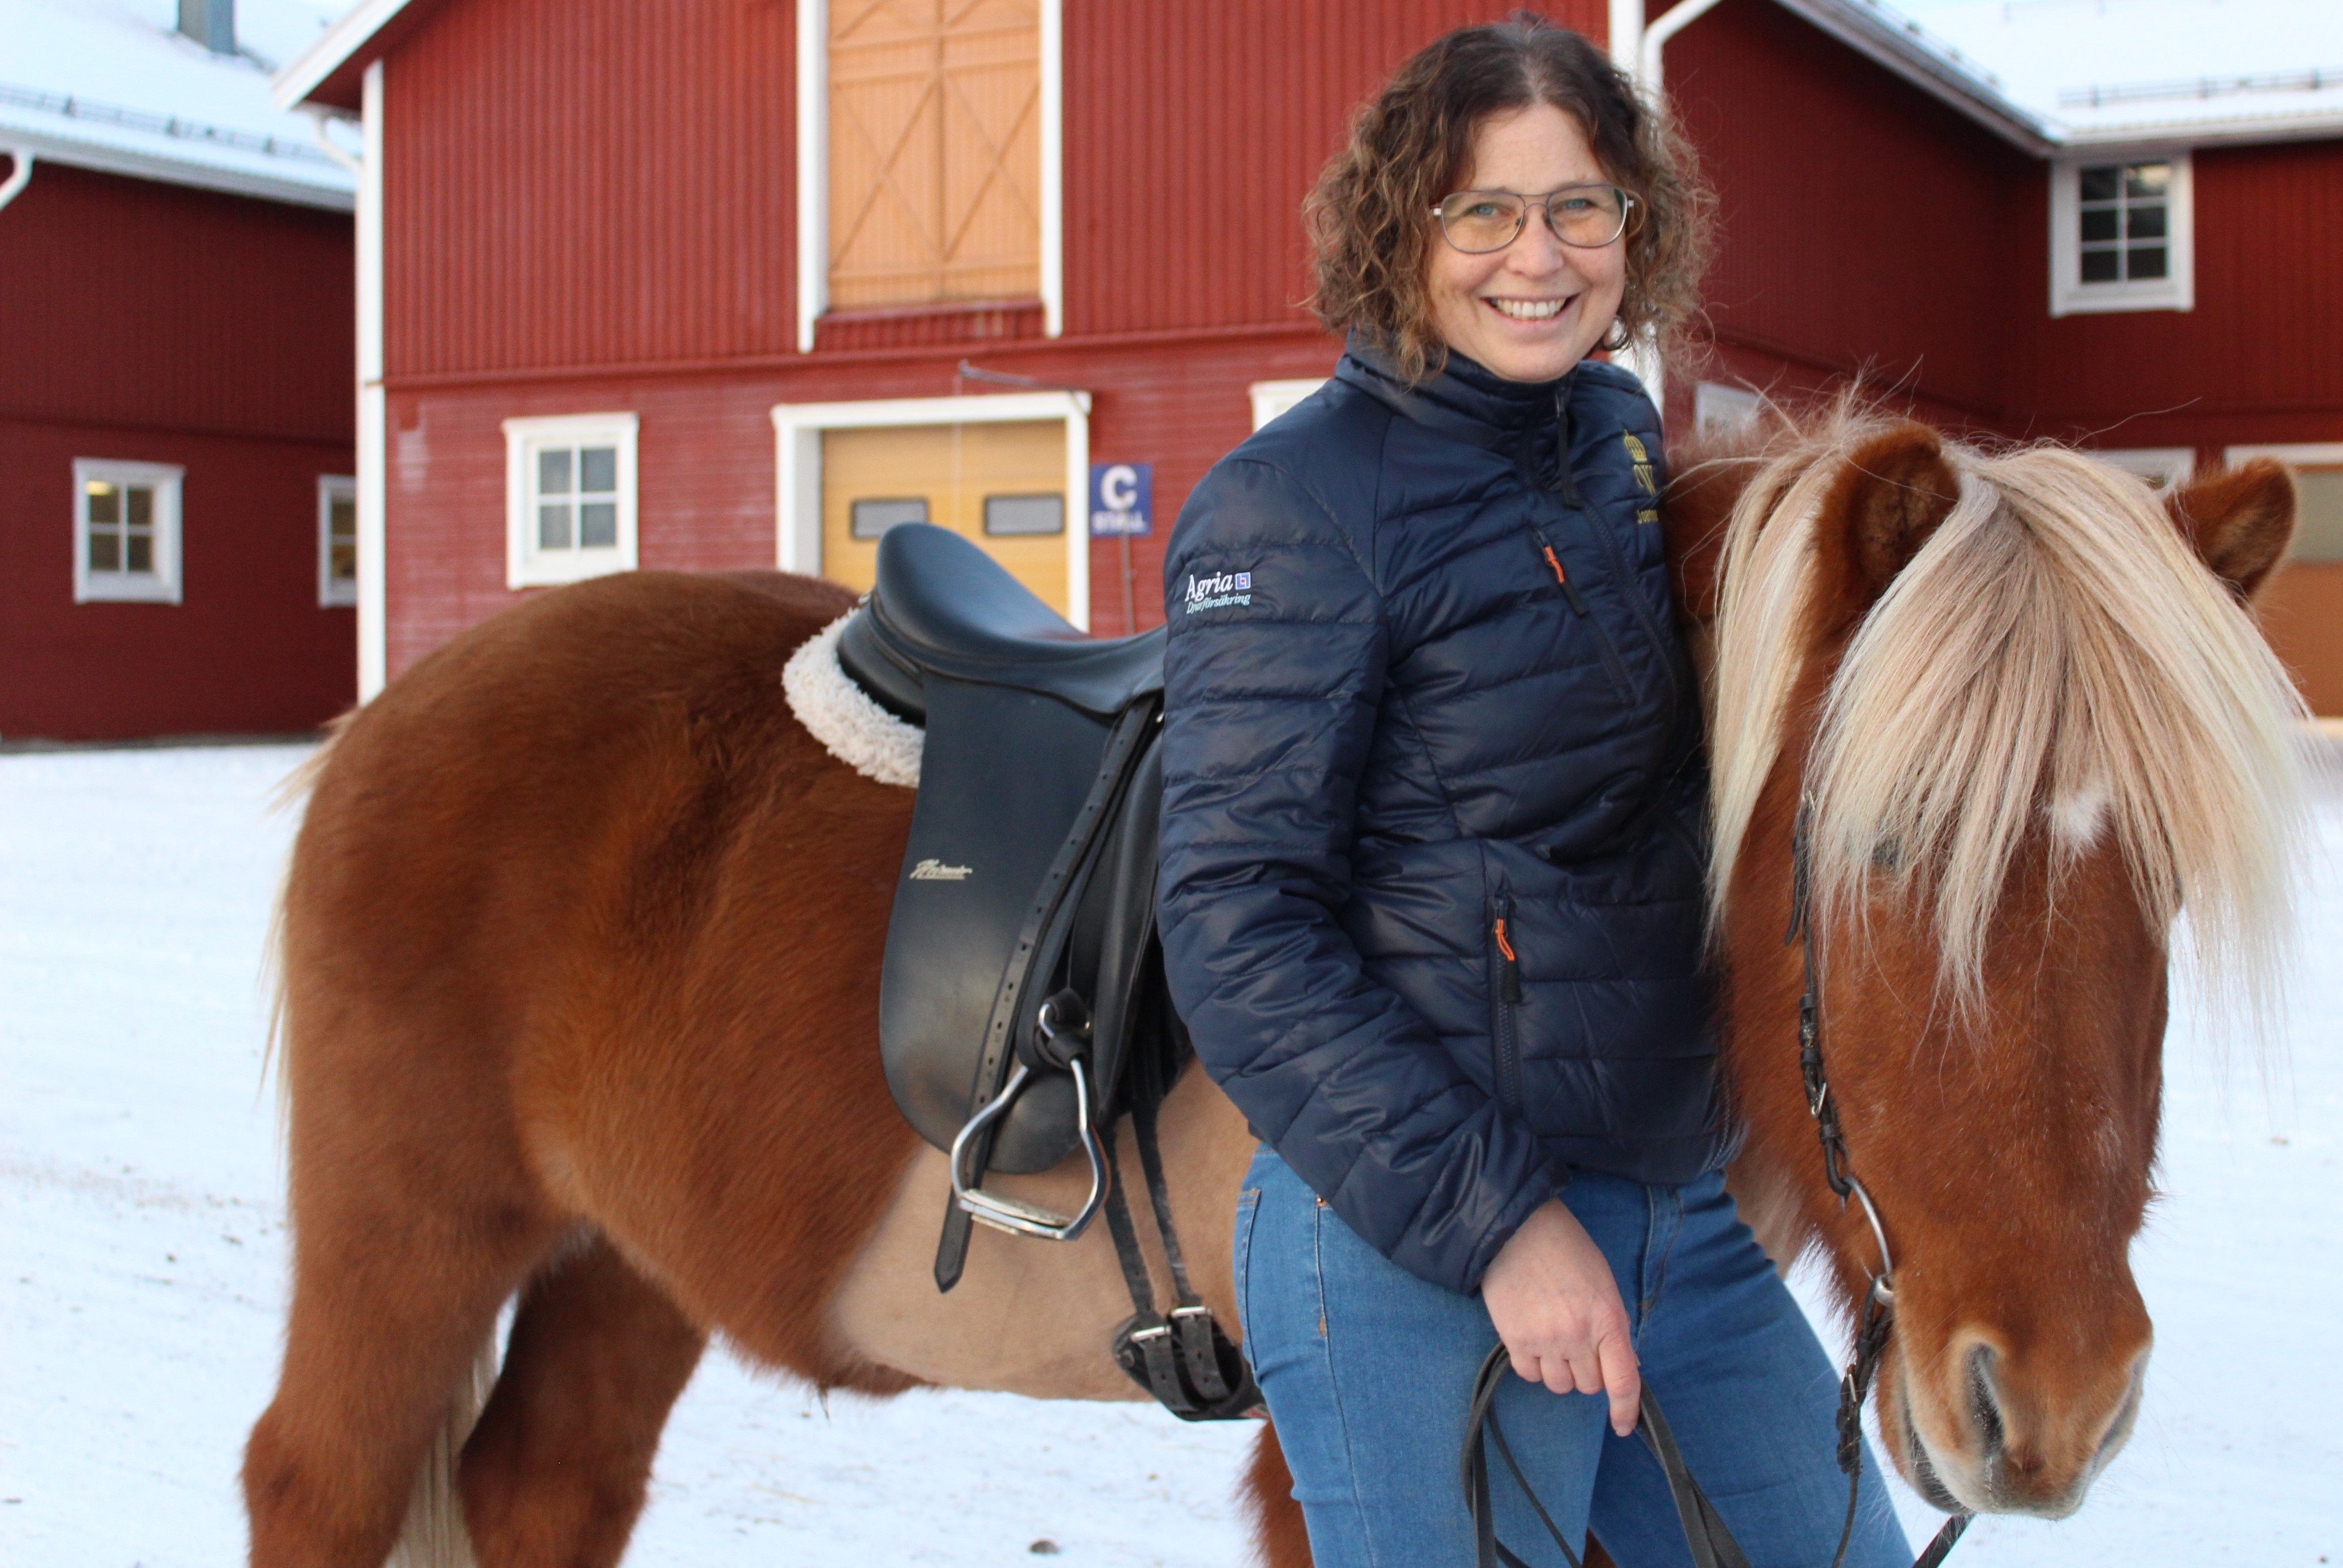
x=1004 y=775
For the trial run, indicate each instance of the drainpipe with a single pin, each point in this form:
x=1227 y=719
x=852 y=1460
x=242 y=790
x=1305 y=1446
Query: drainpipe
x=19 y=177
x=1647 y=64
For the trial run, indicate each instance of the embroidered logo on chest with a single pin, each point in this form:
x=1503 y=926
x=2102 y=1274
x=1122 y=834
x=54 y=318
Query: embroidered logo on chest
x=1219 y=590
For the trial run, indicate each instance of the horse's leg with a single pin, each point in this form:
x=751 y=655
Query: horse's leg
x=389 y=1313
x=555 y=1470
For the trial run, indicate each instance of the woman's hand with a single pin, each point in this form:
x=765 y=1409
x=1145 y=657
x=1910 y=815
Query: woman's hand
x=1551 y=1295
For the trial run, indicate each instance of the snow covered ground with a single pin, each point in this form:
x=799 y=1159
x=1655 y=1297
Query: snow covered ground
x=142 y=1267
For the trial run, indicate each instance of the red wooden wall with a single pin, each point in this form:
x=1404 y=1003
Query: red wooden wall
x=153 y=323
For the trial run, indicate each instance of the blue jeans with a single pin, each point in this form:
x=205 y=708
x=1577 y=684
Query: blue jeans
x=1367 y=1371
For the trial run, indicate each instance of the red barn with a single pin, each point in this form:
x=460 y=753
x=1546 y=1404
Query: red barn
x=748 y=282
x=177 y=470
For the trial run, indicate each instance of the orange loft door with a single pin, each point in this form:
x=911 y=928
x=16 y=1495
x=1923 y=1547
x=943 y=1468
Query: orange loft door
x=1000 y=484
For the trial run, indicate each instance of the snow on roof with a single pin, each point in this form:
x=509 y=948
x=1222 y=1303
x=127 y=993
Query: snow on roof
x=111 y=84
x=2111 y=70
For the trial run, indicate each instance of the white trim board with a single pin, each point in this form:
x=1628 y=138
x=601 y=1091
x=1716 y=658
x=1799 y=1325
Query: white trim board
x=797 y=468
x=336 y=45
x=104 y=159
x=1270 y=399
x=813 y=169
x=374 y=409
x=2162 y=467
x=2069 y=294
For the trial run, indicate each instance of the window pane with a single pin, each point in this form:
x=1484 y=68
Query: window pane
x=2143 y=223
x=2151 y=180
x=1019 y=514
x=869 y=519
x=553 y=524
x=342 y=518
x=343 y=562
x=105 y=551
x=2147 y=261
x=104 y=503
x=2101 y=183
x=2319 y=519
x=597 y=525
x=141 y=506
x=553 y=473
x=2100 y=267
x=2098 y=222
x=138 y=552
x=598 y=470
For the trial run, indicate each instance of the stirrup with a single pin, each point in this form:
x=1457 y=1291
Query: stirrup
x=1009 y=1214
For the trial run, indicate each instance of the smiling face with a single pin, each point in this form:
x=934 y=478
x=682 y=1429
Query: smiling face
x=1530 y=311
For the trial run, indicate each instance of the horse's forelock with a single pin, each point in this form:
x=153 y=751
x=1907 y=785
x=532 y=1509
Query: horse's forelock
x=2054 y=655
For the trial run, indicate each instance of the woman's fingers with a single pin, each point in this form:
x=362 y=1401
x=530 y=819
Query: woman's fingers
x=1625 y=1381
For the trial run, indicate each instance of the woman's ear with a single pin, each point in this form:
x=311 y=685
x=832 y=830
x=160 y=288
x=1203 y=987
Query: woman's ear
x=2240 y=521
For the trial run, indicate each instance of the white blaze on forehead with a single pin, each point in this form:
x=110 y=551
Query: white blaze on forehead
x=2078 y=815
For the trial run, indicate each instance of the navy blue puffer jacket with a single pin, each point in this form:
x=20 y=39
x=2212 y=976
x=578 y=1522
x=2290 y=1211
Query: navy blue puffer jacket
x=1431 y=891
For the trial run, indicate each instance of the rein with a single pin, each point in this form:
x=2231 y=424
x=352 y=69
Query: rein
x=1712 y=1543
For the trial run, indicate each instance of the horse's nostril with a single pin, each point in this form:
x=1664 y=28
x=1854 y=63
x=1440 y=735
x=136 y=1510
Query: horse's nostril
x=1982 y=1404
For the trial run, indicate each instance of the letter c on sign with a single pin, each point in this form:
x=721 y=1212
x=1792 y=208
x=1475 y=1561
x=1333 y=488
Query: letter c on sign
x=1119 y=488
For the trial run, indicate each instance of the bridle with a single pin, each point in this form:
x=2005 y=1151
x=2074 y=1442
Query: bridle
x=1711 y=1545
x=1878 y=1316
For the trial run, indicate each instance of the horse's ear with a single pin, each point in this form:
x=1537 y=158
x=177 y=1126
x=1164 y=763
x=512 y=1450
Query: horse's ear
x=2239 y=521
x=1692 y=514
x=1896 y=492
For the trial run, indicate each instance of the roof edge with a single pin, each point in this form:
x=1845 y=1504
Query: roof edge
x=316 y=75
x=2244 y=129
x=1863 y=28
x=111 y=160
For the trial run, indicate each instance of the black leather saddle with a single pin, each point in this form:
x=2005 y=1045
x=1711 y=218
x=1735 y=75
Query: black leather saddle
x=1022 y=1006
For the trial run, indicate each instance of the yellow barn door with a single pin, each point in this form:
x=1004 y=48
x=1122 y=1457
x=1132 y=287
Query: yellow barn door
x=1000 y=485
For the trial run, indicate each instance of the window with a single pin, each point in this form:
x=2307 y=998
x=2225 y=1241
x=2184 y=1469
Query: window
x=1718 y=409
x=870 y=519
x=569 y=498
x=2161 y=467
x=1024 y=515
x=1270 y=399
x=337 y=540
x=125 y=531
x=934 y=151
x=2318 y=495
x=2120 y=235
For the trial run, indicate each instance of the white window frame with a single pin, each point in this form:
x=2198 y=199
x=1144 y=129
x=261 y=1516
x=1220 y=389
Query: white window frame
x=332 y=595
x=2295 y=454
x=525 y=565
x=2166 y=467
x=797 y=466
x=1270 y=399
x=2069 y=294
x=813 y=169
x=160 y=586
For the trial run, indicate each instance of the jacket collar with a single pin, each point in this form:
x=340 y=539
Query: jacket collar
x=1465 y=400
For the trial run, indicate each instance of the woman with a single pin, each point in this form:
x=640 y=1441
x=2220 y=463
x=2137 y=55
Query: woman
x=1431 y=871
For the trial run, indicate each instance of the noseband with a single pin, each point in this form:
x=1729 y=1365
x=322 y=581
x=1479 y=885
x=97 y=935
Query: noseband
x=1711 y=1545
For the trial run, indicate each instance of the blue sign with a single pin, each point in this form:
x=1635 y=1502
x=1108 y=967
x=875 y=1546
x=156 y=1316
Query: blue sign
x=1122 y=499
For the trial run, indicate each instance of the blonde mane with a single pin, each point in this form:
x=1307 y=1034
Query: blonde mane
x=2054 y=655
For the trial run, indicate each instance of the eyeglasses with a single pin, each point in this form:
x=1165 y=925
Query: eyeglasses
x=1587 y=216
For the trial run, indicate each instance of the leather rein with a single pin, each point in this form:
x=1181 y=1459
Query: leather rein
x=1712 y=1543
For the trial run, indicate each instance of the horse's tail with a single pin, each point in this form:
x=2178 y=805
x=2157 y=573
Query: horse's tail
x=292 y=791
x=433 y=1535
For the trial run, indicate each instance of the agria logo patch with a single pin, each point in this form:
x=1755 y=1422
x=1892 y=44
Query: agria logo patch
x=1219 y=591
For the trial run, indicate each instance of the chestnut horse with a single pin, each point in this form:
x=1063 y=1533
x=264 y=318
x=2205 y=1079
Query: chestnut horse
x=580 y=946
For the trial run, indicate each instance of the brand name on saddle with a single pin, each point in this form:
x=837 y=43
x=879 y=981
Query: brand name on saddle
x=933 y=871
x=1219 y=590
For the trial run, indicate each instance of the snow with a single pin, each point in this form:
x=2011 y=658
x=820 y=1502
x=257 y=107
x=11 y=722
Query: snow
x=127 y=55
x=142 y=1267
x=2034 y=51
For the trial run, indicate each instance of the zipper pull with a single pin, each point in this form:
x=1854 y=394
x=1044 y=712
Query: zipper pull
x=1569 y=590
x=1509 y=972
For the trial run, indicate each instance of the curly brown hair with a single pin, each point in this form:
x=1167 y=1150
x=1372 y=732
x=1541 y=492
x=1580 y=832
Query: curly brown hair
x=1370 y=218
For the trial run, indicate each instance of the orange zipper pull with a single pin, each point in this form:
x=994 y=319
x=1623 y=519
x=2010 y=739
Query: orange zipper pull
x=1510 y=977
